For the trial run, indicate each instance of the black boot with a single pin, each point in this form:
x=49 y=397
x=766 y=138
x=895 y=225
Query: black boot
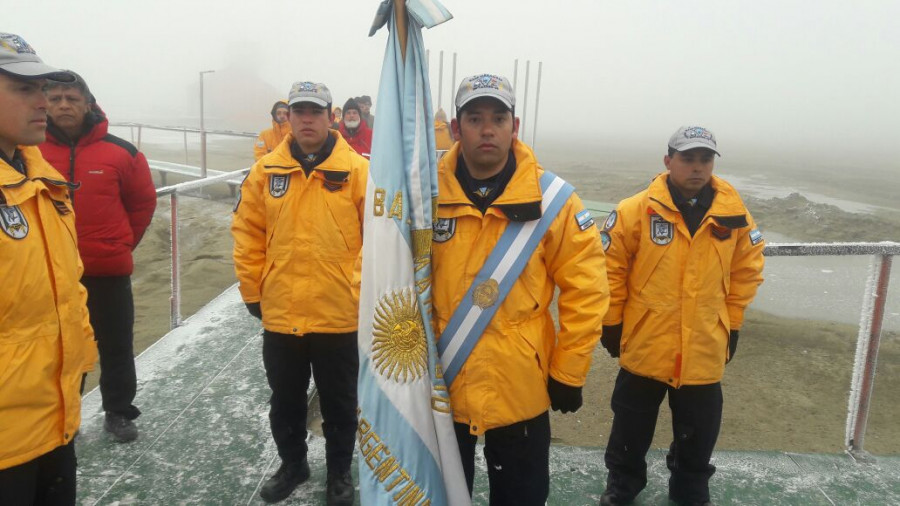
x=120 y=428
x=339 y=489
x=610 y=498
x=284 y=481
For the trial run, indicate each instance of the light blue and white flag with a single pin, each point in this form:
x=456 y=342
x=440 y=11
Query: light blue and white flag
x=407 y=447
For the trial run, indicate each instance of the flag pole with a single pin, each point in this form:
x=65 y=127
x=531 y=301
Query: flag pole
x=400 y=18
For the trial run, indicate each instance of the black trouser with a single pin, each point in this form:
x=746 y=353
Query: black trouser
x=112 y=315
x=334 y=361
x=48 y=480
x=696 y=418
x=518 y=461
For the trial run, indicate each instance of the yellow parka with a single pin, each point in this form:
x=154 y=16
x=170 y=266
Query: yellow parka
x=679 y=296
x=269 y=139
x=504 y=380
x=297 y=240
x=46 y=340
x=442 y=138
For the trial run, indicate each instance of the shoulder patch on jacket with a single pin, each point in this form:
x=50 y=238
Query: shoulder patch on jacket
x=611 y=220
x=755 y=236
x=584 y=220
x=739 y=221
x=122 y=143
x=605 y=239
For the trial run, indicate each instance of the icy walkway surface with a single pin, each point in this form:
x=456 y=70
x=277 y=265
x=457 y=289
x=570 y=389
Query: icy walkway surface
x=204 y=439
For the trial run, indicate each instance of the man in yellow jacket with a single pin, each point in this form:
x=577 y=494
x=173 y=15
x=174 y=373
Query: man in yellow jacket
x=46 y=341
x=491 y=185
x=270 y=138
x=684 y=259
x=297 y=236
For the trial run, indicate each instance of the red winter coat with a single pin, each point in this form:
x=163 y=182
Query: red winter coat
x=361 y=141
x=116 y=200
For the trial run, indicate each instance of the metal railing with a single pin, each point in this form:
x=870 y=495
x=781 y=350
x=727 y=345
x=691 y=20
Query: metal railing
x=172 y=192
x=184 y=130
x=868 y=340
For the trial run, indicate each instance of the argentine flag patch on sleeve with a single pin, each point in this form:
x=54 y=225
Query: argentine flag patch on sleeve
x=584 y=220
x=755 y=236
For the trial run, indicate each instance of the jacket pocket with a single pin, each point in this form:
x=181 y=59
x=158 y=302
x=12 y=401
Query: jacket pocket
x=633 y=320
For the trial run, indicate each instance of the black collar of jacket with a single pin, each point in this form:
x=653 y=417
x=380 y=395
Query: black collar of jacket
x=311 y=162
x=17 y=162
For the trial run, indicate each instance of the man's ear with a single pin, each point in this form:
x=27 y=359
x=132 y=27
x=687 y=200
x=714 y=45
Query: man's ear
x=666 y=161
x=454 y=129
x=515 y=127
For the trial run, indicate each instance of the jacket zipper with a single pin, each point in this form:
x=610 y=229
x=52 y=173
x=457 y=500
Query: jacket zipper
x=72 y=171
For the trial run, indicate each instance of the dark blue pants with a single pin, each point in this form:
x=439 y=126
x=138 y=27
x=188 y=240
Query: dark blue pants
x=48 y=480
x=333 y=360
x=696 y=418
x=518 y=461
x=111 y=306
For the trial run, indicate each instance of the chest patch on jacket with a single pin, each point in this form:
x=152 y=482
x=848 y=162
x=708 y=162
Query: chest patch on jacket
x=13 y=222
x=720 y=233
x=278 y=184
x=661 y=231
x=443 y=229
x=332 y=187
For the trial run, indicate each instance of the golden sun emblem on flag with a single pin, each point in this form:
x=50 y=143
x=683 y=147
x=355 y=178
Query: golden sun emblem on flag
x=398 y=344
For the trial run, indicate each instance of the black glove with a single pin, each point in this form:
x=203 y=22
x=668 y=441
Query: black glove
x=563 y=397
x=732 y=344
x=611 y=339
x=254 y=309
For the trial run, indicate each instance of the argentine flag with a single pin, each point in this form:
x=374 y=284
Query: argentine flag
x=407 y=448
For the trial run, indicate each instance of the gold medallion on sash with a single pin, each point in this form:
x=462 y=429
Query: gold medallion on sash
x=486 y=293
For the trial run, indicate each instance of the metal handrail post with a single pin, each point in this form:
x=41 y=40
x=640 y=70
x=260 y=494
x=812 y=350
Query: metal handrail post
x=453 y=87
x=175 y=299
x=139 y=137
x=440 y=79
x=537 y=103
x=871 y=355
x=185 y=147
x=524 y=112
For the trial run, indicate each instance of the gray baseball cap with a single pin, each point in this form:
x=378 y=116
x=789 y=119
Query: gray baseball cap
x=305 y=91
x=17 y=58
x=485 y=85
x=692 y=137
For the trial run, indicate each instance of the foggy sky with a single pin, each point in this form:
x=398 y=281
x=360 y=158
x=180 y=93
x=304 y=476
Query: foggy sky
x=767 y=75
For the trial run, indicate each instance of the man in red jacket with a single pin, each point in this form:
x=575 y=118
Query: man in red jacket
x=354 y=130
x=113 y=208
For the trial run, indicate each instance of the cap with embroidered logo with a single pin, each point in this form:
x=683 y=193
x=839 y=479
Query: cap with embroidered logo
x=18 y=59
x=692 y=137
x=305 y=91
x=485 y=85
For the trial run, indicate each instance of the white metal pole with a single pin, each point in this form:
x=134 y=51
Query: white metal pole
x=202 y=127
x=440 y=79
x=525 y=101
x=175 y=300
x=516 y=74
x=537 y=102
x=452 y=89
x=870 y=359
